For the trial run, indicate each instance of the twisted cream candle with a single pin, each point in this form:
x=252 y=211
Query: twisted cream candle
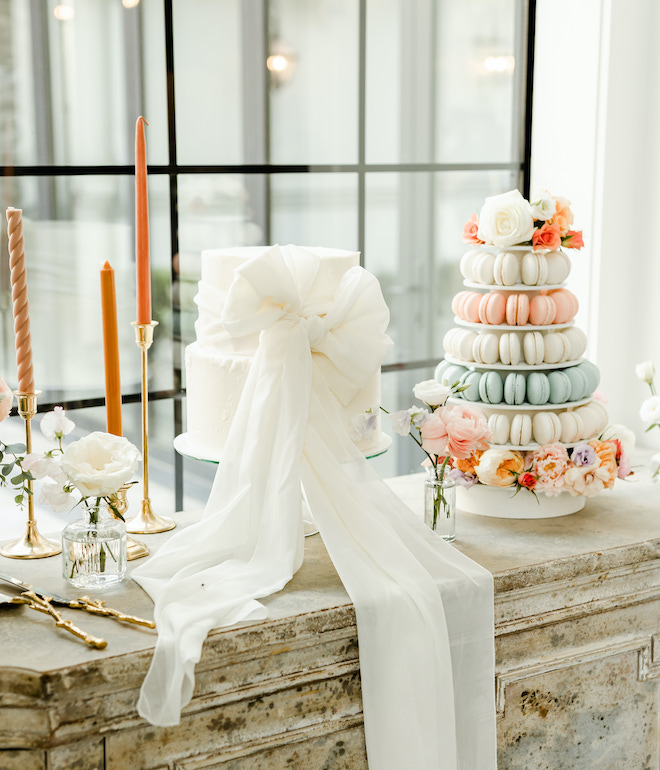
x=19 y=299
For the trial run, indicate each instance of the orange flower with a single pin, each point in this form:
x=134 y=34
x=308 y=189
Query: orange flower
x=471 y=229
x=468 y=465
x=499 y=467
x=547 y=236
x=563 y=215
x=606 y=451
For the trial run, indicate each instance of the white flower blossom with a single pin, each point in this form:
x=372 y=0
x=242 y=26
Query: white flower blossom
x=543 y=206
x=432 y=392
x=646 y=372
x=506 y=220
x=100 y=463
x=56 y=497
x=55 y=425
x=650 y=410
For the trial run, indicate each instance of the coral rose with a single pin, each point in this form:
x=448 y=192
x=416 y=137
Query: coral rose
x=471 y=230
x=563 y=215
x=547 y=237
x=468 y=431
x=499 y=467
x=606 y=451
x=527 y=480
x=573 y=239
x=434 y=435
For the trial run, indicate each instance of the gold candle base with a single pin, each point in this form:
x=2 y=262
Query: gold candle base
x=146 y=522
x=33 y=545
x=135 y=549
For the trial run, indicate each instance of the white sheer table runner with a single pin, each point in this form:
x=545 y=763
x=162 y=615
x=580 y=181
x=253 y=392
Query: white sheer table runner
x=424 y=611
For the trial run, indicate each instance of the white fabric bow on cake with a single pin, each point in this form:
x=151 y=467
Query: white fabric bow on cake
x=424 y=611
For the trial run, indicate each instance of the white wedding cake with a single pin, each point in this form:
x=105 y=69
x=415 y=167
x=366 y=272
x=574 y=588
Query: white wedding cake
x=217 y=364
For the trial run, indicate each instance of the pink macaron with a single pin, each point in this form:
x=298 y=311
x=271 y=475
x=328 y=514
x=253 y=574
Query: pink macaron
x=492 y=308
x=542 y=310
x=467 y=306
x=566 y=303
x=456 y=302
x=517 y=309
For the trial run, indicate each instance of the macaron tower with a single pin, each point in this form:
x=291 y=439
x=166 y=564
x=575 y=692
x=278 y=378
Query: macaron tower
x=514 y=346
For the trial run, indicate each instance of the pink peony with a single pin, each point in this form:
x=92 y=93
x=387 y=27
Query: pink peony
x=434 y=434
x=573 y=239
x=468 y=431
x=471 y=229
x=547 y=237
x=6 y=398
x=549 y=464
x=586 y=480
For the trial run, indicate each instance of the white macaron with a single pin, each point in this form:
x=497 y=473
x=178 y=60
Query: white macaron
x=482 y=268
x=591 y=420
x=521 y=429
x=557 y=348
x=467 y=261
x=559 y=266
x=499 y=426
x=486 y=349
x=546 y=427
x=534 y=269
x=533 y=348
x=506 y=270
x=577 y=340
x=510 y=349
x=572 y=427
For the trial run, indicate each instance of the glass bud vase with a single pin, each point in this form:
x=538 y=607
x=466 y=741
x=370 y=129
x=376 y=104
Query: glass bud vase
x=94 y=548
x=440 y=506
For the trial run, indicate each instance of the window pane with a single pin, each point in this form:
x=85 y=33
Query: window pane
x=314 y=99
x=71 y=226
x=210 y=81
x=413 y=226
x=77 y=84
x=440 y=81
x=314 y=210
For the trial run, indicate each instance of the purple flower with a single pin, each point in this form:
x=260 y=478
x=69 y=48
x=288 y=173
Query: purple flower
x=583 y=455
x=462 y=479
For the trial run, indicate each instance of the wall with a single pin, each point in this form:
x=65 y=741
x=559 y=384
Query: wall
x=596 y=116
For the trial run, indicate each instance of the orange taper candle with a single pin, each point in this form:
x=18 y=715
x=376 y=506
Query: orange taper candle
x=19 y=300
x=142 y=227
x=111 y=351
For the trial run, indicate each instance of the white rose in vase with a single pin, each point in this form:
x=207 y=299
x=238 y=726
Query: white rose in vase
x=506 y=220
x=99 y=464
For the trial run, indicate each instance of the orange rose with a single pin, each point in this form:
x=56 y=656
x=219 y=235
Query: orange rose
x=606 y=451
x=547 y=237
x=572 y=239
x=563 y=217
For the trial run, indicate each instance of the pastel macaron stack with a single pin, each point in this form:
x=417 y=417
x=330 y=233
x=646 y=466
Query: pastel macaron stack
x=527 y=374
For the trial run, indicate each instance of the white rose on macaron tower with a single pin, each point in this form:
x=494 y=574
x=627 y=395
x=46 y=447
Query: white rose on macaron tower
x=506 y=220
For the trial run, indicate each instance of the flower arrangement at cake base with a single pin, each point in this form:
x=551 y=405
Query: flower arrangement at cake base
x=548 y=482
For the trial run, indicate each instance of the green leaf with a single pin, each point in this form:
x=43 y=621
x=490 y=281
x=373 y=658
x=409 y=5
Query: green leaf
x=7 y=469
x=19 y=499
x=15 y=449
x=17 y=479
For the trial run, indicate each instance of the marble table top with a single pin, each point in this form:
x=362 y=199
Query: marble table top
x=619 y=527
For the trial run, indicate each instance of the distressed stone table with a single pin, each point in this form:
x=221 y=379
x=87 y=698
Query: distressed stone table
x=577 y=613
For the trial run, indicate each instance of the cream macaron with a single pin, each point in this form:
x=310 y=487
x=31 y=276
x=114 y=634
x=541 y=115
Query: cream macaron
x=534 y=269
x=533 y=348
x=510 y=350
x=521 y=429
x=499 y=427
x=559 y=266
x=546 y=427
x=557 y=348
x=577 y=340
x=485 y=348
x=506 y=270
x=572 y=427
x=482 y=268
x=467 y=261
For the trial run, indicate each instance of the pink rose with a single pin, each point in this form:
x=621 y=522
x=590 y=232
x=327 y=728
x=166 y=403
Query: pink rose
x=573 y=239
x=549 y=464
x=547 y=237
x=468 y=431
x=471 y=229
x=6 y=399
x=434 y=434
x=527 y=480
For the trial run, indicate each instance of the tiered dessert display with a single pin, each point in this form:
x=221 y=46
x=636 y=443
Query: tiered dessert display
x=519 y=355
x=217 y=364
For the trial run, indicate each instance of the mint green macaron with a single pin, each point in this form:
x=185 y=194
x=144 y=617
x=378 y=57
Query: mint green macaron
x=491 y=387
x=538 y=388
x=560 y=387
x=514 y=388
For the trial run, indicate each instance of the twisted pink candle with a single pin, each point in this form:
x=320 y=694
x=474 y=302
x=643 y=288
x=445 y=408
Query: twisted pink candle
x=19 y=299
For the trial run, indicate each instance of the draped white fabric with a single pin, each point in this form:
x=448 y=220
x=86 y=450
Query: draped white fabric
x=424 y=611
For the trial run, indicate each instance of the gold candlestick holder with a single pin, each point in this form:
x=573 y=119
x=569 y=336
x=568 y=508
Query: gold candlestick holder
x=33 y=545
x=146 y=522
x=135 y=549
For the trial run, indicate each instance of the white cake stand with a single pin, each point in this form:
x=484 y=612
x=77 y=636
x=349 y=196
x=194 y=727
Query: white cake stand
x=500 y=503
